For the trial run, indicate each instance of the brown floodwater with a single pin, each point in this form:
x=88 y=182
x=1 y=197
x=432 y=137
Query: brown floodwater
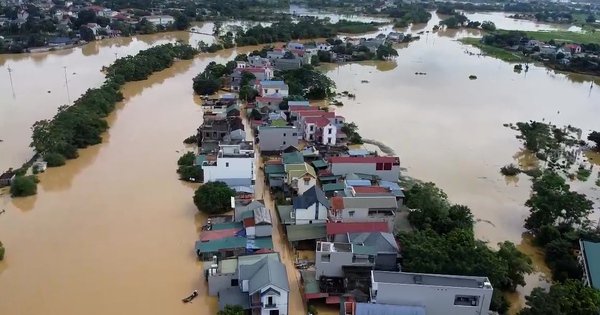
x=113 y=231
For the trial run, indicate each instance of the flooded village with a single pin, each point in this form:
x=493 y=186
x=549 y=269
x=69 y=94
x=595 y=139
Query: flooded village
x=311 y=220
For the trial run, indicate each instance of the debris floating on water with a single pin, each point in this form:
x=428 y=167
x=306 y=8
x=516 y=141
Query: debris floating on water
x=473 y=77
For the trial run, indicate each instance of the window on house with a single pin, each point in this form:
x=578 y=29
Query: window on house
x=329 y=131
x=312 y=128
x=234 y=282
x=295 y=134
x=379 y=167
x=284 y=134
x=466 y=300
x=328 y=140
x=306 y=181
x=276 y=91
x=351 y=213
x=270 y=300
x=283 y=142
x=325 y=258
x=387 y=166
x=226 y=164
x=292 y=215
x=266 y=91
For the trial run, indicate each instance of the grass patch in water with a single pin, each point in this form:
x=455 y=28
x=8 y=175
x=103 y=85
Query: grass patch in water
x=492 y=51
x=583 y=174
x=564 y=36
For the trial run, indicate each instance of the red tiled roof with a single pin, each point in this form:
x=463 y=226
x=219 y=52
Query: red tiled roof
x=338 y=299
x=367 y=159
x=250 y=105
x=370 y=190
x=217 y=234
x=269 y=99
x=334 y=228
x=319 y=121
x=572 y=46
x=263 y=251
x=256 y=122
x=337 y=203
x=120 y=17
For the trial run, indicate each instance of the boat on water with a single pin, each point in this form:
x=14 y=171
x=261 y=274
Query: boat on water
x=191 y=297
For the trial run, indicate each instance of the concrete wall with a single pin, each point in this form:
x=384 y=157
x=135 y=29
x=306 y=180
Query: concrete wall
x=365 y=168
x=230 y=167
x=219 y=282
x=333 y=268
x=277 y=139
x=437 y=300
x=310 y=215
x=280 y=301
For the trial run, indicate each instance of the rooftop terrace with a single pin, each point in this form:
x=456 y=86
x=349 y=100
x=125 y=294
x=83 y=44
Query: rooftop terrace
x=431 y=279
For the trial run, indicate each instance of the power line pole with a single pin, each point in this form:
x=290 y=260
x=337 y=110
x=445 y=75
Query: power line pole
x=67 y=84
x=12 y=87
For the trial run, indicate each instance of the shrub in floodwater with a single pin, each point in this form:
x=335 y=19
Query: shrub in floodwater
x=510 y=170
x=55 y=159
x=187 y=159
x=598 y=182
x=191 y=139
x=23 y=186
x=583 y=174
x=2 y=251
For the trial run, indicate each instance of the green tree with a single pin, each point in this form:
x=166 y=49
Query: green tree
x=351 y=131
x=518 y=265
x=2 y=251
x=594 y=136
x=55 y=159
x=255 y=114
x=590 y=18
x=231 y=310
x=488 y=26
x=190 y=173
x=552 y=203
x=386 y=51
x=204 y=85
x=308 y=82
x=247 y=93
x=283 y=105
x=213 y=198
x=559 y=258
x=288 y=55
x=181 y=22
x=569 y=298
x=23 y=186
x=187 y=159
x=241 y=57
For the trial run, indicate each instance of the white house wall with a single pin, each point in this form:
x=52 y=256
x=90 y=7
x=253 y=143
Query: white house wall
x=307 y=216
x=281 y=301
x=230 y=167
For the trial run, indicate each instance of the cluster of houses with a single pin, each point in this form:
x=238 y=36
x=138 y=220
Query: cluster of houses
x=338 y=207
x=70 y=10
x=568 y=51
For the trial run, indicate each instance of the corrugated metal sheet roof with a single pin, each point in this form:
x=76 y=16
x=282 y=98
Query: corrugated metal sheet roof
x=262 y=216
x=306 y=232
x=333 y=187
x=358 y=182
x=592 y=258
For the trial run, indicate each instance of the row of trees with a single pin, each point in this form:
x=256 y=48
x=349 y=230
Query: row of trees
x=459 y=20
x=444 y=242
x=82 y=124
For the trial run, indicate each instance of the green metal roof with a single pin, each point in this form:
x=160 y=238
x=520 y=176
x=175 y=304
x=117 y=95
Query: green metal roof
x=364 y=250
x=320 y=163
x=274 y=169
x=284 y=212
x=262 y=242
x=247 y=214
x=306 y=232
x=333 y=187
x=200 y=159
x=224 y=243
x=278 y=123
x=293 y=158
x=326 y=178
x=227 y=226
x=591 y=253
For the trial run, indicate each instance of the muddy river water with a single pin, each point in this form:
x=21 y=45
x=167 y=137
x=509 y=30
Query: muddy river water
x=112 y=232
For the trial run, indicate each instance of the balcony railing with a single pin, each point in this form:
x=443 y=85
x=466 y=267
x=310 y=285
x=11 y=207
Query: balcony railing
x=270 y=306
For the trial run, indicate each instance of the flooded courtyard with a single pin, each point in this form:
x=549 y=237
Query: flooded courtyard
x=113 y=231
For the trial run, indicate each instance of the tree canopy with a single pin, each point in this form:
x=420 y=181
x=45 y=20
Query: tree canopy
x=594 y=136
x=231 y=310
x=568 y=298
x=308 y=82
x=213 y=198
x=23 y=186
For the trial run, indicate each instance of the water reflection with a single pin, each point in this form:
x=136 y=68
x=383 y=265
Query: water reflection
x=25 y=203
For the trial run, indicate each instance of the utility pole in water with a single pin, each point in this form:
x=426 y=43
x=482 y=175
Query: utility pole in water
x=12 y=87
x=67 y=84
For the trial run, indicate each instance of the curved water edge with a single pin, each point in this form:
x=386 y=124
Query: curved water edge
x=117 y=216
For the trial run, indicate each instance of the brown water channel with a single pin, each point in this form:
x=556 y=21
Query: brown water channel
x=112 y=232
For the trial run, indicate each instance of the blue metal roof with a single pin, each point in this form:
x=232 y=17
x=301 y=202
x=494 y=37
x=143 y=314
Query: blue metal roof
x=268 y=83
x=386 y=309
x=228 y=96
x=298 y=103
x=390 y=185
x=358 y=182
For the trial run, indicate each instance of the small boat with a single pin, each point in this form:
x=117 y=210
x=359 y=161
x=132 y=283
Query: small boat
x=191 y=297
x=473 y=77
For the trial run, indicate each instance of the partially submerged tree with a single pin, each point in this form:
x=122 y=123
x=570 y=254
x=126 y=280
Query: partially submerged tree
x=594 y=136
x=213 y=198
x=2 y=251
x=231 y=310
x=187 y=159
x=23 y=186
x=569 y=298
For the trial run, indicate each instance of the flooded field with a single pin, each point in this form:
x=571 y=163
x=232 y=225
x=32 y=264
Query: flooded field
x=112 y=232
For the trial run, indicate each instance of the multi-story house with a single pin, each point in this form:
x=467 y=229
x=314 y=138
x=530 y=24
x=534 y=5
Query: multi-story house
x=260 y=72
x=266 y=88
x=363 y=209
x=385 y=167
x=234 y=165
x=437 y=294
x=268 y=103
x=259 y=287
x=258 y=61
x=277 y=139
x=310 y=207
x=320 y=130
x=300 y=177
x=160 y=19
x=331 y=258
x=302 y=115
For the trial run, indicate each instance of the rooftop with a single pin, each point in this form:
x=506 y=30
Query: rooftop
x=321 y=121
x=284 y=212
x=334 y=247
x=293 y=158
x=333 y=187
x=305 y=232
x=388 y=309
x=271 y=83
x=430 y=279
x=591 y=253
x=356 y=227
x=373 y=202
x=369 y=159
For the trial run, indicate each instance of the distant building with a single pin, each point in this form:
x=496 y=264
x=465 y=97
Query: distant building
x=385 y=167
x=160 y=19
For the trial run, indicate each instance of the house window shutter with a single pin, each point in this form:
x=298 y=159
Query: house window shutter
x=379 y=167
x=387 y=166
